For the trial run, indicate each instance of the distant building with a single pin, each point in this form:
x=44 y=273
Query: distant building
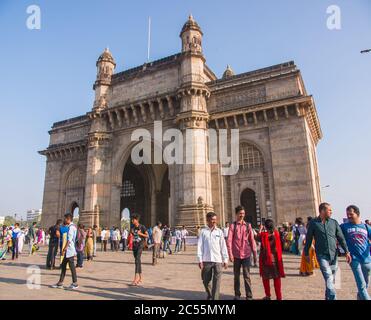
x=2 y=219
x=34 y=215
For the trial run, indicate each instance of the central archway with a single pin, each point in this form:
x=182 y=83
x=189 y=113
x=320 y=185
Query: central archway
x=135 y=192
x=248 y=201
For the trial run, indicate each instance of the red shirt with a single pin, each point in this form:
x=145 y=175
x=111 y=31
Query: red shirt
x=240 y=241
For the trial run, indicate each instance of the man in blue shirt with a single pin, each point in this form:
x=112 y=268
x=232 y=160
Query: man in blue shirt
x=69 y=253
x=15 y=235
x=358 y=236
x=62 y=230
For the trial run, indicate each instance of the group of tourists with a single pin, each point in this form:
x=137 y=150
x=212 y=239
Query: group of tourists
x=14 y=237
x=76 y=241
x=319 y=242
x=216 y=247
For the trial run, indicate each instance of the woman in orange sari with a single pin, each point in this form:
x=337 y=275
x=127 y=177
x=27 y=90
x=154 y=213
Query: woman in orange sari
x=306 y=269
x=89 y=244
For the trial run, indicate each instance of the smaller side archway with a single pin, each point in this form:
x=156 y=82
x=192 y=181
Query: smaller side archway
x=75 y=210
x=249 y=202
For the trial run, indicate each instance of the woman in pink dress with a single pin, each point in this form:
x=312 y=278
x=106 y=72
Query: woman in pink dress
x=39 y=235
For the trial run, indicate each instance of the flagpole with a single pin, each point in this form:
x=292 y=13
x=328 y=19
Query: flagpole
x=149 y=37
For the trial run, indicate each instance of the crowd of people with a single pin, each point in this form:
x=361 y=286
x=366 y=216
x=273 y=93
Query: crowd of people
x=319 y=242
x=13 y=239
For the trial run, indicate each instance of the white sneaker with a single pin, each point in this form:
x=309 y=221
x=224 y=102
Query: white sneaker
x=73 y=286
x=57 y=286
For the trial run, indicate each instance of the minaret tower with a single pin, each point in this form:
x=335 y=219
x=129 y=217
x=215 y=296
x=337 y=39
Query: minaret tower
x=97 y=187
x=194 y=175
x=105 y=68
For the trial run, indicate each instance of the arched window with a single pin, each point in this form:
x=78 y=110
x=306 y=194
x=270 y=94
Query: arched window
x=128 y=189
x=250 y=156
x=75 y=179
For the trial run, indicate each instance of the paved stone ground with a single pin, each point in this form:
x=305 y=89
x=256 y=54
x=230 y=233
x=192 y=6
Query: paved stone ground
x=175 y=277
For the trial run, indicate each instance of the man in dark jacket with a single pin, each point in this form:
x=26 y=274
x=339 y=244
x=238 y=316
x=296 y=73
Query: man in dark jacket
x=54 y=233
x=31 y=236
x=326 y=232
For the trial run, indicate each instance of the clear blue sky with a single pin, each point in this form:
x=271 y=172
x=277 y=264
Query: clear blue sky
x=47 y=75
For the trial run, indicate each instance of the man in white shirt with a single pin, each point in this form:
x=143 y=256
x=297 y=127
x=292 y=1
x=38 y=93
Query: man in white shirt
x=124 y=237
x=212 y=254
x=104 y=236
x=157 y=239
x=184 y=234
x=178 y=239
x=16 y=232
x=226 y=230
x=116 y=239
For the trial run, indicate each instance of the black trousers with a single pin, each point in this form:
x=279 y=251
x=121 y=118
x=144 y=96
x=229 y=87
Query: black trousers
x=52 y=253
x=137 y=252
x=104 y=245
x=123 y=244
x=245 y=264
x=71 y=264
x=15 y=248
x=183 y=243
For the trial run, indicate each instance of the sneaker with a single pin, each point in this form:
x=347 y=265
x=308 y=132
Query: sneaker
x=266 y=298
x=58 y=286
x=237 y=298
x=73 y=286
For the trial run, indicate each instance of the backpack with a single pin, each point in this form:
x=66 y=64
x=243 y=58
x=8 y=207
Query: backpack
x=247 y=231
x=297 y=233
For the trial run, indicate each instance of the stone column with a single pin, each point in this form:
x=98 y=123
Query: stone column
x=194 y=176
x=98 y=183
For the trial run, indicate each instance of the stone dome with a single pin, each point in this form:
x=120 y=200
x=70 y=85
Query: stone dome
x=191 y=24
x=106 y=56
x=228 y=72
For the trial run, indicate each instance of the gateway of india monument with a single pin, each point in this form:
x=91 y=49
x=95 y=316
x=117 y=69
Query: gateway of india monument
x=89 y=164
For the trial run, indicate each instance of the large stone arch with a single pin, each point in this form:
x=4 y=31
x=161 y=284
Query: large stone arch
x=153 y=177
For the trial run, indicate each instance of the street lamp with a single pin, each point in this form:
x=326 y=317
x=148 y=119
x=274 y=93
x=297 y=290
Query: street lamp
x=327 y=186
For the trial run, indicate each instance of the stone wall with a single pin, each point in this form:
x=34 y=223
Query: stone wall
x=148 y=85
x=294 y=187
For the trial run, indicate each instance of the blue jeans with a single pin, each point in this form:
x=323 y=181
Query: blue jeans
x=328 y=269
x=177 y=245
x=167 y=246
x=80 y=258
x=361 y=273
